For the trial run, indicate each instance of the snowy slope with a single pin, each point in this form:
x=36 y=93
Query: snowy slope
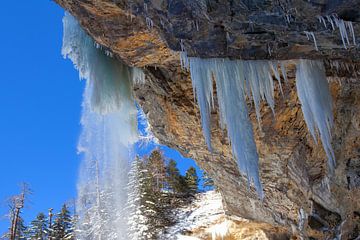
x=205 y=214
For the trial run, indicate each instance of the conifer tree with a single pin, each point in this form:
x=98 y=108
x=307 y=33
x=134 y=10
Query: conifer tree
x=156 y=166
x=192 y=180
x=176 y=182
x=208 y=183
x=63 y=226
x=140 y=203
x=38 y=228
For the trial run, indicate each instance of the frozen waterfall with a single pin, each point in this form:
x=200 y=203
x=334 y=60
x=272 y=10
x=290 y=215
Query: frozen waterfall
x=237 y=80
x=108 y=133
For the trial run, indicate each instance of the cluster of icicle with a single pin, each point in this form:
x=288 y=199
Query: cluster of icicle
x=108 y=132
x=312 y=35
x=343 y=26
x=237 y=80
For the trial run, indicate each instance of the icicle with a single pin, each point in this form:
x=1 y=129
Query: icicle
x=137 y=75
x=341 y=25
x=316 y=103
x=351 y=28
x=274 y=66
x=331 y=22
x=322 y=20
x=149 y=23
x=312 y=35
x=258 y=76
x=234 y=114
x=203 y=88
x=233 y=80
x=283 y=72
x=184 y=60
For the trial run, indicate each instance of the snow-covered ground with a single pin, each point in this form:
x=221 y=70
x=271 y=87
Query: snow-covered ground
x=205 y=215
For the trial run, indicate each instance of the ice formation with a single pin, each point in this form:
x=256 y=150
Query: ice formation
x=108 y=132
x=234 y=81
x=343 y=26
x=311 y=35
x=96 y=67
x=316 y=103
x=137 y=75
x=237 y=80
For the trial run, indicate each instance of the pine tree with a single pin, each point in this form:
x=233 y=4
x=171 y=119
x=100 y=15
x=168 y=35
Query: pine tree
x=38 y=228
x=192 y=180
x=208 y=183
x=176 y=182
x=63 y=226
x=140 y=203
x=155 y=164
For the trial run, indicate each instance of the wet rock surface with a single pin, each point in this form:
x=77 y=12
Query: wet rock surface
x=293 y=168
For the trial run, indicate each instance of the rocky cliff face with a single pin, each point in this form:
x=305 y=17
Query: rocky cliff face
x=301 y=196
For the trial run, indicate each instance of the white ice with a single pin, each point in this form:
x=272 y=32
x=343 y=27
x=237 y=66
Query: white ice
x=316 y=103
x=108 y=132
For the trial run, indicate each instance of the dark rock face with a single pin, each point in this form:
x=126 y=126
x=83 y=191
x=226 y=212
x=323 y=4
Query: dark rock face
x=260 y=29
x=293 y=168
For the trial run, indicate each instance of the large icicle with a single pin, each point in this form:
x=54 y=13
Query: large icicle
x=203 y=88
x=316 y=103
x=96 y=67
x=232 y=102
x=343 y=27
x=235 y=79
x=109 y=129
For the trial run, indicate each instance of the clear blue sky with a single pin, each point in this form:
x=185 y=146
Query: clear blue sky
x=40 y=97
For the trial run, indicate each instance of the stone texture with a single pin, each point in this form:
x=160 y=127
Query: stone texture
x=293 y=168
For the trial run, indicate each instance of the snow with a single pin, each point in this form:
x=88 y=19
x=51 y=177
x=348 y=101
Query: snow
x=316 y=103
x=205 y=212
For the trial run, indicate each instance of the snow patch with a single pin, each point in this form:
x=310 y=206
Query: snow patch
x=205 y=212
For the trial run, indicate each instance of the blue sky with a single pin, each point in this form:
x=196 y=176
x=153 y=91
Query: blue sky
x=40 y=97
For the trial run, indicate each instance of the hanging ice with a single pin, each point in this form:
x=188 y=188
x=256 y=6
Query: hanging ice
x=343 y=26
x=96 y=67
x=312 y=35
x=316 y=103
x=203 y=88
x=109 y=129
x=234 y=79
